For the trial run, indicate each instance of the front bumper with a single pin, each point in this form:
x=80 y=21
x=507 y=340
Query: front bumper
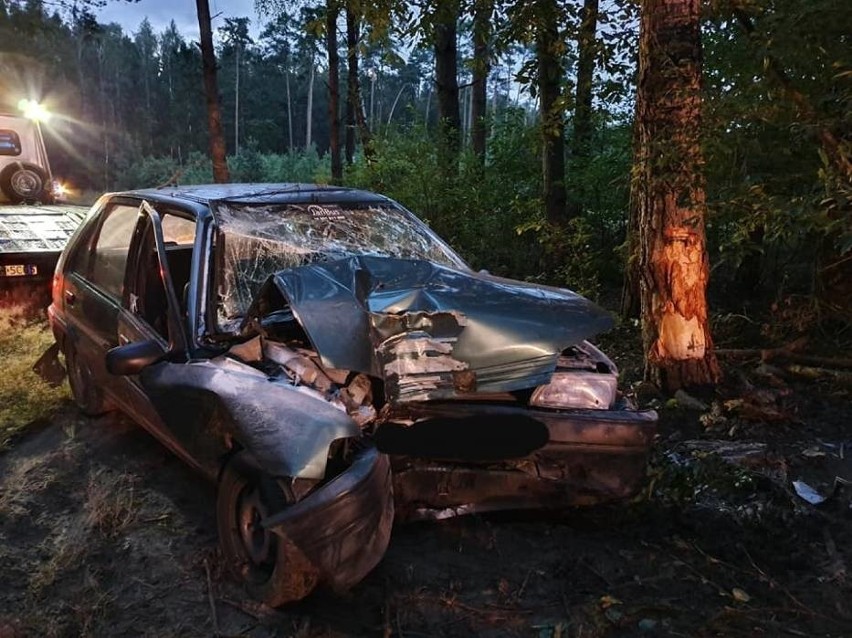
x=509 y=457
x=342 y=529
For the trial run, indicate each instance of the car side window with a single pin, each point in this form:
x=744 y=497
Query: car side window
x=147 y=293
x=109 y=255
x=10 y=143
x=178 y=231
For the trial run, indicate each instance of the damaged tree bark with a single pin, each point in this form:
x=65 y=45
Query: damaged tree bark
x=669 y=196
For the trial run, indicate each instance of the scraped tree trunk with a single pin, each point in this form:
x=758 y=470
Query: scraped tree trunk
x=482 y=12
x=211 y=94
x=669 y=198
x=548 y=51
x=446 y=81
x=332 y=13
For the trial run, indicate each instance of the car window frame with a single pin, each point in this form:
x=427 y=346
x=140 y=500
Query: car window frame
x=162 y=209
x=84 y=248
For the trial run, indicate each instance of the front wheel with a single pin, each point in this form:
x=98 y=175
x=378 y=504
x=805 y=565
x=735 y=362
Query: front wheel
x=271 y=568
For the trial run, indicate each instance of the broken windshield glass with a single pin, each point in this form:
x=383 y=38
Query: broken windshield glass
x=259 y=240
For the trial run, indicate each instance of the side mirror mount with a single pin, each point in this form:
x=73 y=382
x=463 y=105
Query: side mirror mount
x=132 y=358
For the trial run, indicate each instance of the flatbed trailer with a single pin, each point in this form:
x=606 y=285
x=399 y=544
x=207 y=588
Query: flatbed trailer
x=31 y=240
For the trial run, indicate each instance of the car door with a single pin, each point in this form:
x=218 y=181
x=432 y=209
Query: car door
x=161 y=264
x=94 y=286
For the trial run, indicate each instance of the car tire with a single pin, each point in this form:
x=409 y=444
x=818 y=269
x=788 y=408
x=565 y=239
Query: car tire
x=86 y=393
x=271 y=569
x=24 y=183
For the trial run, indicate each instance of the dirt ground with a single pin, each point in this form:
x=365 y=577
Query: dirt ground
x=104 y=533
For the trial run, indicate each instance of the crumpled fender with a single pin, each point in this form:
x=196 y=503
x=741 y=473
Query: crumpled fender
x=287 y=431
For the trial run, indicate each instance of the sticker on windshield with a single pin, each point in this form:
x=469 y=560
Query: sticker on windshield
x=330 y=213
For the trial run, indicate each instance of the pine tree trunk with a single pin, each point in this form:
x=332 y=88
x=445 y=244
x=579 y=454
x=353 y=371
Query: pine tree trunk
x=446 y=81
x=309 y=109
x=548 y=47
x=211 y=94
x=351 y=44
x=587 y=47
x=669 y=197
x=482 y=12
x=237 y=99
x=354 y=105
x=289 y=114
x=332 y=13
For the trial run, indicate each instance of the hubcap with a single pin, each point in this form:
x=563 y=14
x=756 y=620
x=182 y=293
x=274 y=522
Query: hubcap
x=255 y=538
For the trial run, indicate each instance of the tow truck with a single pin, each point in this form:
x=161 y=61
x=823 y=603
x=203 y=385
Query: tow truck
x=34 y=223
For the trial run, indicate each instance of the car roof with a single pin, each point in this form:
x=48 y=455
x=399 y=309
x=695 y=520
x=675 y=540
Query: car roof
x=283 y=193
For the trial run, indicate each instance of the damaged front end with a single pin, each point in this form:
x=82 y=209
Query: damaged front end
x=483 y=391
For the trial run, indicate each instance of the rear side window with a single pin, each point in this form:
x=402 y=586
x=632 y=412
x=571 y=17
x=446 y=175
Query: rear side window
x=10 y=143
x=109 y=255
x=178 y=231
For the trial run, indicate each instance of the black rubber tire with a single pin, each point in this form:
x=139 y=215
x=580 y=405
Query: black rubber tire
x=276 y=574
x=86 y=393
x=24 y=183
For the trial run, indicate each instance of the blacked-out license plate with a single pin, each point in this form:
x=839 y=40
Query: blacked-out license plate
x=18 y=270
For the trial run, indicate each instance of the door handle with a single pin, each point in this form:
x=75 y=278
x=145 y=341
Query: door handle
x=70 y=297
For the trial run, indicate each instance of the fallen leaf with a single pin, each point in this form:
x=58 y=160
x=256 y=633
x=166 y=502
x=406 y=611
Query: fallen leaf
x=608 y=601
x=739 y=595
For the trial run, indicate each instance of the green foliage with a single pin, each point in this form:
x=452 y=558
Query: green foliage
x=569 y=255
x=493 y=214
x=779 y=204
x=477 y=210
x=249 y=166
x=24 y=396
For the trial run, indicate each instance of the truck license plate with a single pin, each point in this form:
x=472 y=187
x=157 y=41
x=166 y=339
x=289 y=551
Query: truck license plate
x=19 y=270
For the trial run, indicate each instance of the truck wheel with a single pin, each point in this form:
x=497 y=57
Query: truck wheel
x=87 y=395
x=24 y=183
x=271 y=569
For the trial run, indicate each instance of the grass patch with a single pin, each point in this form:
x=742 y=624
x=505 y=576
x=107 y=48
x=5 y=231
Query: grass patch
x=110 y=502
x=109 y=506
x=24 y=396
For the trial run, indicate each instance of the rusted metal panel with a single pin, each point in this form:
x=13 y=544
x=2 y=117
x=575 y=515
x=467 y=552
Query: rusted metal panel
x=458 y=458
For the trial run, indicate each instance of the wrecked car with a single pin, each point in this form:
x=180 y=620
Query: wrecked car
x=335 y=366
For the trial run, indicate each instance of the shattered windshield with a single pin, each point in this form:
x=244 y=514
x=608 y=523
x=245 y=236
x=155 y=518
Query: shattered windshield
x=258 y=240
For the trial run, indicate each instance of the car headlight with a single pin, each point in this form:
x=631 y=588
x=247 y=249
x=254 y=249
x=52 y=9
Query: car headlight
x=579 y=389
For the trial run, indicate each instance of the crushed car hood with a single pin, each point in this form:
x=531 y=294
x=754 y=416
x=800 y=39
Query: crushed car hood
x=430 y=331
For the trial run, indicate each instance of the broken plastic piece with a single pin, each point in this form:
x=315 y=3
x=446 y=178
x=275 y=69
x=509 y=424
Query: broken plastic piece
x=808 y=493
